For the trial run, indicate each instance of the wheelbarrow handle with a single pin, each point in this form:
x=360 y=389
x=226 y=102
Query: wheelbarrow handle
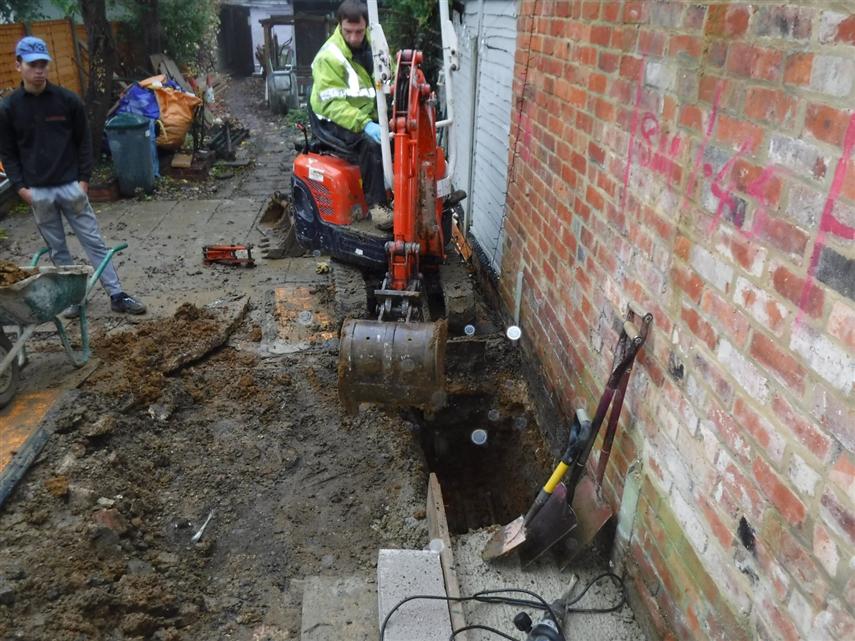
x=103 y=265
x=38 y=255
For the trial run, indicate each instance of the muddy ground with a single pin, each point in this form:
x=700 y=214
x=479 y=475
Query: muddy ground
x=181 y=425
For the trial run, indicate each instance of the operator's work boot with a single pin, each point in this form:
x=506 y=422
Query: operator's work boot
x=381 y=216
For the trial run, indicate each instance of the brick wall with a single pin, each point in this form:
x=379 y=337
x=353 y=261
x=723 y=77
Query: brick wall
x=695 y=159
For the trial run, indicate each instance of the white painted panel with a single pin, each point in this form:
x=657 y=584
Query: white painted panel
x=482 y=141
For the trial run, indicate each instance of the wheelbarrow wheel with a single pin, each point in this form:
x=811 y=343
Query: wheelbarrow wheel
x=9 y=377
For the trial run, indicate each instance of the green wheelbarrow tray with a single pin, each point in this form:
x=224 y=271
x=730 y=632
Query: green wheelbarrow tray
x=39 y=299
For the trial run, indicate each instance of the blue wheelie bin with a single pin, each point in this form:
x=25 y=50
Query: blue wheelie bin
x=130 y=141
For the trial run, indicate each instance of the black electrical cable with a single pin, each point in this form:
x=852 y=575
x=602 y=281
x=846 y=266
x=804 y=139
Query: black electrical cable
x=613 y=608
x=485 y=596
x=481 y=627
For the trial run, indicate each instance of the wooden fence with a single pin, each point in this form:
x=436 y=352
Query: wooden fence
x=62 y=38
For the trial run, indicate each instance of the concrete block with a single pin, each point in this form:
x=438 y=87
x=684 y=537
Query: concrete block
x=405 y=573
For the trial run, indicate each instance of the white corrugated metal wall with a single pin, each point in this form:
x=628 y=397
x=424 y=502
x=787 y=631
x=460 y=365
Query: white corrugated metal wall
x=483 y=88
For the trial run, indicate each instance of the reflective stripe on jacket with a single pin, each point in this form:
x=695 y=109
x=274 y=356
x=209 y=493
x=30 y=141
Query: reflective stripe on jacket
x=342 y=89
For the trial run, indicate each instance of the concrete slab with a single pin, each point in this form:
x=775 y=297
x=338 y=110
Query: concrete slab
x=546 y=580
x=339 y=608
x=406 y=573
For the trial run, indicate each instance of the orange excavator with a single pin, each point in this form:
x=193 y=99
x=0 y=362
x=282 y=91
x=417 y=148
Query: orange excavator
x=397 y=357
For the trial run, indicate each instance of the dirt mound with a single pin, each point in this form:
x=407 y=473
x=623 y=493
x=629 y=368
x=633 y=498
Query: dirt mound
x=10 y=273
x=141 y=359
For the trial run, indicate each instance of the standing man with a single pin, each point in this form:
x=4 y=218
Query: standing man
x=46 y=149
x=343 y=99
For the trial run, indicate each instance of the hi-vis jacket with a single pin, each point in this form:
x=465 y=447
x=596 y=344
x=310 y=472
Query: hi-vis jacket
x=342 y=89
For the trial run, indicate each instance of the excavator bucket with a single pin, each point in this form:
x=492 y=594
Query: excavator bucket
x=392 y=363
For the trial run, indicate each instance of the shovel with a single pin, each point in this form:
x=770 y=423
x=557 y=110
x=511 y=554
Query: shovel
x=549 y=506
x=551 y=517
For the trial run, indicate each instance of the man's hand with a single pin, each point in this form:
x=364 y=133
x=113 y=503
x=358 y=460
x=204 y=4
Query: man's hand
x=26 y=195
x=84 y=186
x=372 y=130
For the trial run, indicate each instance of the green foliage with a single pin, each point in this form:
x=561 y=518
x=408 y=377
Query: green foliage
x=20 y=10
x=187 y=28
x=69 y=8
x=414 y=24
x=297 y=115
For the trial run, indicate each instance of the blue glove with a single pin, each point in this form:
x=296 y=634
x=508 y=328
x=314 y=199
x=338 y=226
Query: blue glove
x=372 y=130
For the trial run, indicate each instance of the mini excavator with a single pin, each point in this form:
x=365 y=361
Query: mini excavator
x=398 y=356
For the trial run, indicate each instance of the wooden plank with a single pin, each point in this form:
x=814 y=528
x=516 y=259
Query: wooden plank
x=41 y=430
x=438 y=529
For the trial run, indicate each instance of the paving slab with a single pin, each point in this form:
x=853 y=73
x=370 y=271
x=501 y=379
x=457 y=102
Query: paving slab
x=406 y=573
x=545 y=579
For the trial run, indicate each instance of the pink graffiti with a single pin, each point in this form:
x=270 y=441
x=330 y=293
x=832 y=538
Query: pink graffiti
x=828 y=224
x=653 y=149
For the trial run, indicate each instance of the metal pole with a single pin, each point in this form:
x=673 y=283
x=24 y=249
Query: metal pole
x=382 y=85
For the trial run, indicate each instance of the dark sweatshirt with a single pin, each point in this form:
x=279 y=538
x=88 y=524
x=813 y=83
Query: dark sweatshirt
x=44 y=138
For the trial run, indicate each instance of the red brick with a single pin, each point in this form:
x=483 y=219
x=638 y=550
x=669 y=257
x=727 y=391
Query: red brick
x=699 y=327
x=651 y=43
x=787 y=369
x=601 y=35
x=779 y=493
x=739 y=132
x=719 y=529
x=726 y=20
x=692 y=117
x=691 y=46
x=805 y=431
x=634 y=12
x=780 y=622
x=730 y=435
x=604 y=110
x=752 y=180
x=740 y=494
x=827 y=124
x=689 y=282
x=841 y=324
x=682 y=247
x=797 y=69
x=754 y=62
x=590 y=10
x=630 y=67
x=765 y=434
x=608 y=62
x=838 y=516
x=769 y=105
x=596 y=153
x=729 y=316
x=849 y=182
x=597 y=83
x=593 y=197
x=791 y=286
x=783 y=235
x=846 y=31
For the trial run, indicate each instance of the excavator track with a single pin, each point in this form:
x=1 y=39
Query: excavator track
x=350 y=295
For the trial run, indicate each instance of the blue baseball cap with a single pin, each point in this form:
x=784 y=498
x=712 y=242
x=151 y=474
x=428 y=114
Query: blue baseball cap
x=30 y=49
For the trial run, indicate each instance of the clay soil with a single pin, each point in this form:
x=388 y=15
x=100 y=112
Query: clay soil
x=10 y=273
x=96 y=541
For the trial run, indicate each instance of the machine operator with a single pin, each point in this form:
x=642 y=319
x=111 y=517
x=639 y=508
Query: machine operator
x=343 y=99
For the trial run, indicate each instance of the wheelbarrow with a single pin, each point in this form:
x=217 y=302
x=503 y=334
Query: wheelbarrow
x=39 y=299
